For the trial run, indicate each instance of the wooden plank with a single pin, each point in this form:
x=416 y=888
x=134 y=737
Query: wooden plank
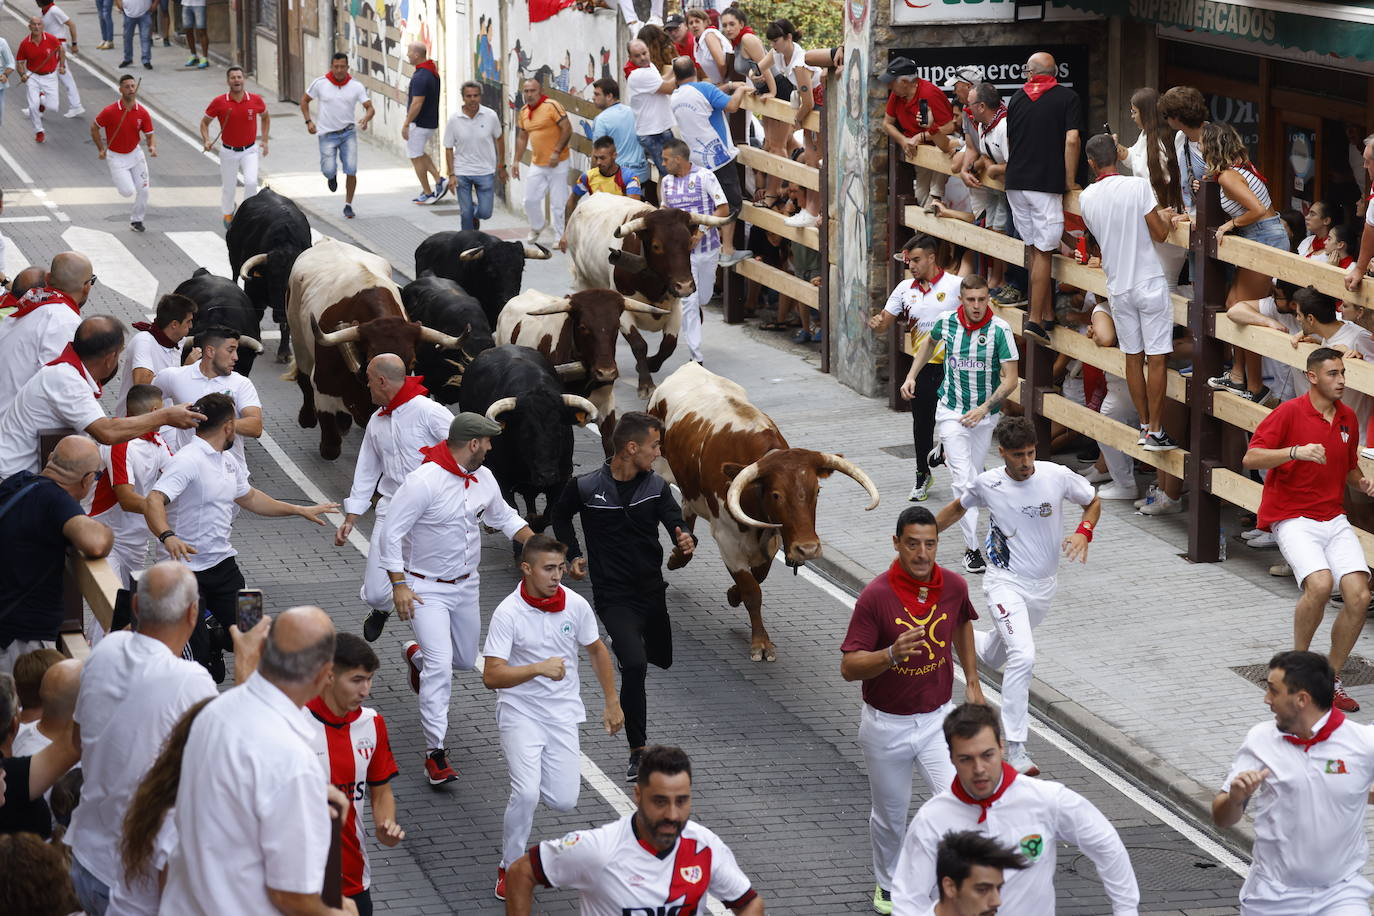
x=779 y=280
x=1285 y=265
x=1110 y=360
x=775 y=222
x=787 y=169
x=993 y=244
x=574 y=104
x=1278 y=346
x=1069 y=271
x=1111 y=433
x=1238 y=411
x=1236 y=489
x=73 y=645
x=1016 y=317
x=779 y=111
x=98 y=586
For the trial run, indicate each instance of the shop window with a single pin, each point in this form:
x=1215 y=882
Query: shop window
x=1218 y=62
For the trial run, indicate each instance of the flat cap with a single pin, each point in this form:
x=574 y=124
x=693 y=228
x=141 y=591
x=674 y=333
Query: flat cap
x=468 y=425
x=897 y=68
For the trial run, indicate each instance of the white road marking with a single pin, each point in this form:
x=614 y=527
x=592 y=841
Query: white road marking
x=205 y=249
x=24 y=176
x=116 y=266
x=25 y=219
x=14 y=258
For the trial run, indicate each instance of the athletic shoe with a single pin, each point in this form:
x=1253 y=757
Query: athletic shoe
x=936 y=456
x=333 y=184
x=1251 y=534
x=203 y=65
x=1224 y=382
x=974 y=562
x=1262 y=540
x=1281 y=570
x=147 y=65
x=166 y=42
x=1342 y=700
x=1159 y=442
x=1092 y=475
x=882 y=900
x=105 y=46
x=437 y=770
x=1149 y=496
x=632 y=769
x=421 y=198
x=126 y=63
x=1020 y=760
x=227 y=221
x=414 y=663
x=38 y=137
x=74 y=112
x=1144 y=435
x=193 y=62
x=440 y=189
x=348 y=211
x=1118 y=491
x=1259 y=397
x=137 y=226
x=372 y=626
x=500 y=883
x=803 y=219
x=1162 y=505
x=215 y=665
x=921 y=489
x=1034 y=329
x=734 y=257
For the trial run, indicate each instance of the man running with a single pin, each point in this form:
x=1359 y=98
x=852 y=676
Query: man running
x=339 y=95
x=642 y=862
x=123 y=123
x=684 y=185
x=970 y=870
x=40 y=60
x=1025 y=500
x=57 y=23
x=237 y=113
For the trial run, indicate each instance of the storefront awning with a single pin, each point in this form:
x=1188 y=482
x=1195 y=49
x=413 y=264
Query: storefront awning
x=1270 y=23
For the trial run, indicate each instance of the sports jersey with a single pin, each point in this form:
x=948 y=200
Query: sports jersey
x=238 y=120
x=922 y=303
x=526 y=635
x=123 y=126
x=137 y=463
x=617 y=874
x=619 y=183
x=973 y=360
x=355 y=751
x=1027 y=522
x=698 y=191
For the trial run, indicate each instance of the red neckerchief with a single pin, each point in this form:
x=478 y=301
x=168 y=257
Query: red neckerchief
x=1038 y=85
x=531 y=108
x=909 y=589
x=428 y=65
x=412 y=387
x=40 y=296
x=550 y=605
x=1346 y=261
x=8 y=301
x=347 y=77
x=926 y=286
x=1008 y=776
x=440 y=455
x=969 y=326
x=745 y=30
x=1318 y=244
x=1333 y=722
x=1112 y=173
x=320 y=709
x=629 y=68
x=70 y=358
x=1250 y=167
x=162 y=339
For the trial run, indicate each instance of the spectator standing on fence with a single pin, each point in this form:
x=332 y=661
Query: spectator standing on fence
x=711 y=45
x=606 y=176
x=543 y=125
x=788 y=60
x=917 y=112
x=339 y=95
x=475 y=153
x=1161 y=170
x=991 y=209
x=1308 y=765
x=1318 y=220
x=1185 y=111
x=617 y=121
x=631 y=17
x=649 y=91
x=1309 y=446
x=1044 y=120
x=421 y=121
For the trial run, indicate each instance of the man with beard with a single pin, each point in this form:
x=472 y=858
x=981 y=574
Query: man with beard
x=219 y=353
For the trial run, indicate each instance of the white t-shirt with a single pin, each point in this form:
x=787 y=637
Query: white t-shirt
x=1284 y=376
x=474 y=153
x=56 y=397
x=201 y=484
x=1114 y=209
x=525 y=635
x=29 y=343
x=55 y=23
x=699 y=109
x=993 y=142
x=788 y=67
x=338 y=104
x=28 y=740
x=706 y=61
x=143 y=352
x=1027 y=517
x=617 y=875
x=188 y=384
x=653 y=113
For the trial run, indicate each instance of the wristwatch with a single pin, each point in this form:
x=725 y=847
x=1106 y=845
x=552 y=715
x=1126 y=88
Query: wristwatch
x=169 y=533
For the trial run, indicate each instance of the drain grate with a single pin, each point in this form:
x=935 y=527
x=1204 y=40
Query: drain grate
x=1358 y=672
x=900 y=451
x=1158 y=868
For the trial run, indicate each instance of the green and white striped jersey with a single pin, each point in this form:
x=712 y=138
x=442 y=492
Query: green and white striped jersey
x=973 y=360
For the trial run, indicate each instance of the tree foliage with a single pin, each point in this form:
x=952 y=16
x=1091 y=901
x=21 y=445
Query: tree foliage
x=818 y=20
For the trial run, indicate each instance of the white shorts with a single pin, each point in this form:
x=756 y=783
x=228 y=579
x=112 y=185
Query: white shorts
x=1308 y=546
x=1038 y=217
x=419 y=139
x=1259 y=897
x=1144 y=319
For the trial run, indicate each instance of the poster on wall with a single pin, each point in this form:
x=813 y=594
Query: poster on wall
x=1300 y=146
x=1002 y=66
x=962 y=12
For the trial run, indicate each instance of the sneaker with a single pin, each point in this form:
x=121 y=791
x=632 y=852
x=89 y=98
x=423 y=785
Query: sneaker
x=193 y=62
x=936 y=456
x=1090 y=454
x=533 y=235
x=126 y=63
x=415 y=662
x=1281 y=570
x=1259 y=397
x=921 y=489
x=802 y=336
x=74 y=112
x=1224 y=382
x=147 y=65
x=1262 y=540
x=166 y=42
x=739 y=254
x=216 y=667
x=1144 y=435
x=24 y=112
x=1251 y=534
x=1092 y=475
x=372 y=626
x=882 y=900
x=105 y=46
x=802 y=219
x=1342 y=700
x=421 y=198
x=1020 y=760
x=137 y=226
x=1033 y=329
x=1118 y=491
x=974 y=562
x=203 y=65
x=227 y=221
x=1159 y=442
x=1149 y=496
x=348 y=211
x=500 y=883
x=333 y=184
x=38 y=137
x=440 y=189
x=1162 y=505
x=632 y=769
x=437 y=770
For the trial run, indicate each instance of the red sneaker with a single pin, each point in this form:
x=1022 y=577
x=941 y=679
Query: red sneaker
x=38 y=137
x=1344 y=701
x=438 y=772
x=500 y=884
x=413 y=664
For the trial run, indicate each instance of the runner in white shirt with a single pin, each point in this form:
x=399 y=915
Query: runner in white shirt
x=44 y=323
x=970 y=873
x=407 y=421
x=1024 y=499
x=219 y=353
x=339 y=95
x=474 y=150
x=614 y=870
x=431 y=546
x=1304 y=777
x=531 y=663
x=58 y=24
x=1030 y=816
x=156 y=345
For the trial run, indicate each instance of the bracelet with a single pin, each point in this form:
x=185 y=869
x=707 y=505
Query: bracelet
x=1085 y=529
x=169 y=533
x=1293 y=453
x=891 y=658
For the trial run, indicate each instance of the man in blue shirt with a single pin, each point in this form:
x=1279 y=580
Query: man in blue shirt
x=617 y=121
x=422 y=120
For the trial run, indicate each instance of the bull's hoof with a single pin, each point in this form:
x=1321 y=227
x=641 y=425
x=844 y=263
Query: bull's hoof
x=307 y=418
x=677 y=559
x=345 y=421
x=764 y=653
x=732 y=596
x=284 y=353
x=329 y=452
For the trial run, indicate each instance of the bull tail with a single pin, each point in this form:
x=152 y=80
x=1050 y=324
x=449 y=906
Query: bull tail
x=292 y=371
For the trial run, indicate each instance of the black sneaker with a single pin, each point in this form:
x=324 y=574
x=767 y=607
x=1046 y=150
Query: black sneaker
x=632 y=771
x=1224 y=382
x=1159 y=442
x=147 y=65
x=215 y=665
x=936 y=456
x=137 y=226
x=372 y=626
x=974 y=562
x=126 y=63
x=1259 y=397
x=333 y=184
x=1034 y=329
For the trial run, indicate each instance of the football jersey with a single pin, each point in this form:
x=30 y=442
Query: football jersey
x=922 y=304
x=1027 y=516
x=525 y=635
x=138 y=463
x=357 y=754
x=616 y=874
x=973 y=360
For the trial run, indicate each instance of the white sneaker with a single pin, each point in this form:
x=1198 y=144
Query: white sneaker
x=1020 y=760
x=1364 y=452
x=1251 y=534
x=1093 y=475
x=533 y=235
x=1281 y=570
x=73 y=112
x=1262 y=540
x=1162 y=505
x=1149 y=496
x=1118 y=491
x=24 y=112
x=803 y=219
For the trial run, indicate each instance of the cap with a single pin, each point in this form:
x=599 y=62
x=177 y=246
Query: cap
x=468 y=425
x=674 y=21
x=972 y=75
x=897 y=68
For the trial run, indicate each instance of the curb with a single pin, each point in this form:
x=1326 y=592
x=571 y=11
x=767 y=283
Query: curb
x=1073 y=720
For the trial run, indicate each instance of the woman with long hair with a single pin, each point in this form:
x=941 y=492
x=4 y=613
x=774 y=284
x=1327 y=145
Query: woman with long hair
x=1161 y=169
x=661 y=49
x=787 y=60
x=749 y=57
x=712 y=46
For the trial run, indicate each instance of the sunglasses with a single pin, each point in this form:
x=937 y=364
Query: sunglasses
x=91 y=281
x=98 y=475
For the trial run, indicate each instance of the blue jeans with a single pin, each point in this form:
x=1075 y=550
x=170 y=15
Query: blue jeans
x=105 y=10
x=653 y=148
x=336 y=146
x=144 y=24
x=1267 y=232
x=91 y=893
x=485 y=186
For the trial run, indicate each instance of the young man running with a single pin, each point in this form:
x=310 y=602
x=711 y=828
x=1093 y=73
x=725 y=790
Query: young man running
x=970 y=869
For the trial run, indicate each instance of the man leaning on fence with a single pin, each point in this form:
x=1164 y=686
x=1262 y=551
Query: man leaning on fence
x=917 y=112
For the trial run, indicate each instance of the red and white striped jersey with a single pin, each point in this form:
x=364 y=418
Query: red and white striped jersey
x=138 y=463
x=618 y=875
x=357 y=754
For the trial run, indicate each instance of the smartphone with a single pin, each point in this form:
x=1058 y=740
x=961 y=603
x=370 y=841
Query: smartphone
x=925 y=113
x=1107 y=129
x=249 y=608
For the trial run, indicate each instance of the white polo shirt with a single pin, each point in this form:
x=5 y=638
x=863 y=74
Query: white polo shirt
x=1114 y=208
x=137 y=463
x=921 y=304
x=133 y=690
x=653 y=109
x=29 y=343
x=54 y=398
x=55 y=23
x=1027 y=516
x=188 y=384
x=251 y=810
x=391 y=450
x=338 y=104
x=1309 y=815
x=143 y=352
x=201 y=484
x=525 y=635
x=471 y=139
x=433 y=526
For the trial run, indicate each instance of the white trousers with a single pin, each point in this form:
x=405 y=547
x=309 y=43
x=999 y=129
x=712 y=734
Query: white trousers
x=1117 y=405
x=627 y=10
x=704 y=275
x=541 y=181
x=42 y=89
x=893 y=746
x=965 y=452
x=545 y=763
x=1017 y=605
x=129 y=171
x=69 y=86
x=376 y=590
x=1350 y=897
x=231 y=164
x=446 y=627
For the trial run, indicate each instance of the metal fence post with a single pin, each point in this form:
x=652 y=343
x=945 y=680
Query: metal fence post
x=1204 y=430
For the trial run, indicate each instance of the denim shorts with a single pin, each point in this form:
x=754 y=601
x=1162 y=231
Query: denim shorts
x=341 y=146
x=193 y=17
x=1267 y=231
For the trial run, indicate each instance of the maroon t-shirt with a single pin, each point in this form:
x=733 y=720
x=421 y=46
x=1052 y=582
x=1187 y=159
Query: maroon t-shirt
x=924 y=682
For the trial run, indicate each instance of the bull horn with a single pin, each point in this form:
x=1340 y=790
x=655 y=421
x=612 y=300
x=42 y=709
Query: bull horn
x=580 y=403
x=252 y=343
x=249 y=264
x=563 y=306
x=850 y=469
x=446 y=341
x=705 y=219
x=743 y=479
x=472 y=254
x=537 y=252
x=634 y=263
x=499 y=407
x=334 y=338
x=634 y=225
x=644 y=308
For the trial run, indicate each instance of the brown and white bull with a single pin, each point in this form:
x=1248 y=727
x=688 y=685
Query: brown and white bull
x=735 y=469
x=642 y=251
x=577 y=334
x=344 y=309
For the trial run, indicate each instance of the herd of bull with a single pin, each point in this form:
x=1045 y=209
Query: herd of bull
x=539 y=363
